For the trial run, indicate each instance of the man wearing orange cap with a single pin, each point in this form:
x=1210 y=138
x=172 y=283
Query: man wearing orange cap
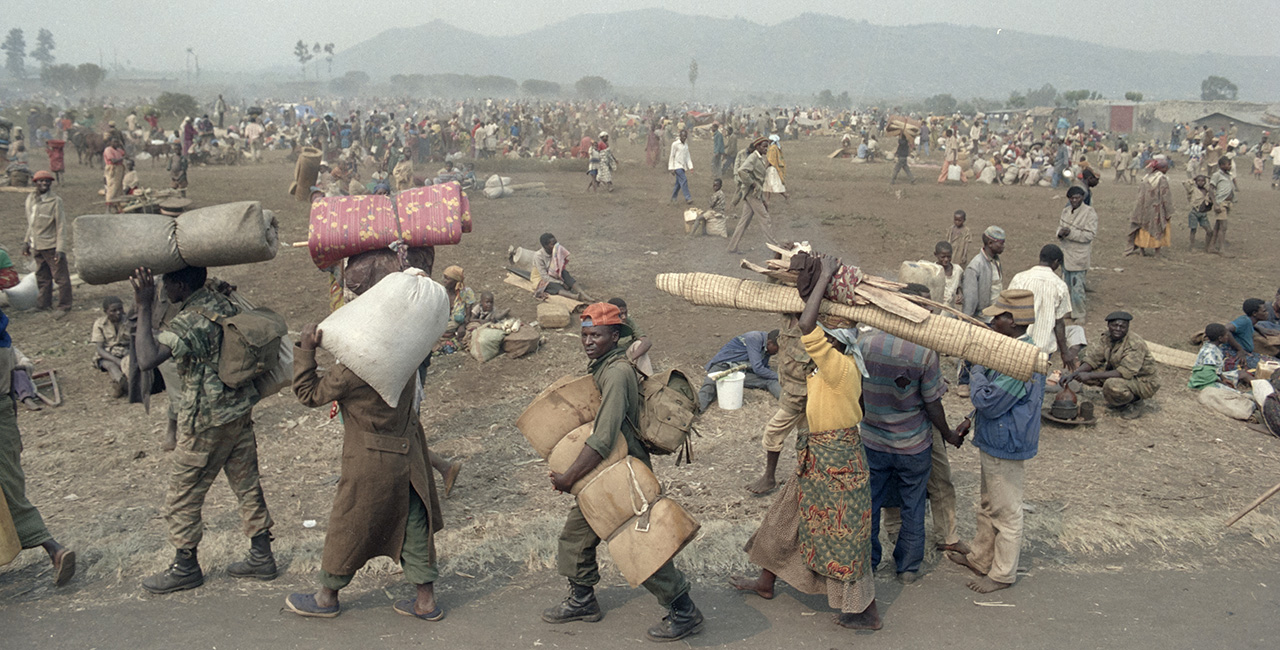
x=619 y=411
x=45 y=240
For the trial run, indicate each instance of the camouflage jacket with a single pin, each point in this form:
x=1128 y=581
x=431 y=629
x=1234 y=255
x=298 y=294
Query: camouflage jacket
x=204 y=401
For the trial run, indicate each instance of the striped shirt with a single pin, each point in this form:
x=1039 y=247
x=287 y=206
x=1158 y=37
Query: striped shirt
x=903 y=377
x=1053 y=302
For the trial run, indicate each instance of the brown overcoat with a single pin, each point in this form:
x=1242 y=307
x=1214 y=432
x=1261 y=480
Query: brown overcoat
x=384 y=454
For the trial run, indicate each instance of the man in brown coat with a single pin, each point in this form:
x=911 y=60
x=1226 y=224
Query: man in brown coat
x=386 y=501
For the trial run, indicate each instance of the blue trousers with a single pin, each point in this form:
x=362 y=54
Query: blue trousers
x=900 y=480
x=682 y=184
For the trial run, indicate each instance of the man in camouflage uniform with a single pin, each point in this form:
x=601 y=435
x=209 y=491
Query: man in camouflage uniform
x=215 y=429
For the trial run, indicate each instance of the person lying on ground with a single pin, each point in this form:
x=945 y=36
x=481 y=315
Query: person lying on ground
x=753 y=350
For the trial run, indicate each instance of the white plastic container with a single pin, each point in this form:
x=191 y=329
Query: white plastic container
x=729 y=391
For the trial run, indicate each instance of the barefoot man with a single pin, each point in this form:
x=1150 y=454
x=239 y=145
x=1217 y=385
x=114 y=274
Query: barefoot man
x=794 y=366
x=1006 y=424
x=792 y=543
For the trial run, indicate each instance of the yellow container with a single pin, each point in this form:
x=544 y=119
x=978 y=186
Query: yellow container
x=10 y=545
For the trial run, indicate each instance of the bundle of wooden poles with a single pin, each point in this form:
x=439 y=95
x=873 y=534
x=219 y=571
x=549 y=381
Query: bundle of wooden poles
x=877 y=302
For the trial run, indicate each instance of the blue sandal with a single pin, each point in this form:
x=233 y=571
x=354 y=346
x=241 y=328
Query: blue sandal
x=406 y=608
x=305 y=605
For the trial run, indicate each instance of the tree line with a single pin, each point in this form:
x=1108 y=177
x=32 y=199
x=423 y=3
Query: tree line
x=64 y=78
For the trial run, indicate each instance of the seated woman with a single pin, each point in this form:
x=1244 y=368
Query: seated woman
x=461 y=300
x=110 y=338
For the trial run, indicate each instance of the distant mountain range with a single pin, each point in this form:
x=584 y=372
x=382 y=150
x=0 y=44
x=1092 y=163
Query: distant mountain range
x=652 y=48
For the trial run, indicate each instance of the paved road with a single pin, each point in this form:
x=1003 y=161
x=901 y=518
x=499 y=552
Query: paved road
x=1129 y=609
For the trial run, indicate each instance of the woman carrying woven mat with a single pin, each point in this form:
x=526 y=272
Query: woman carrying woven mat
x=817 y=534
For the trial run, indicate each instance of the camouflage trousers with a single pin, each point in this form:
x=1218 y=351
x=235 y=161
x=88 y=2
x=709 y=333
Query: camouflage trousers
x=201 y=455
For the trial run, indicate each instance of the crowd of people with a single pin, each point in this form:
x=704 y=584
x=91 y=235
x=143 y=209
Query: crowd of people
x=864 y=404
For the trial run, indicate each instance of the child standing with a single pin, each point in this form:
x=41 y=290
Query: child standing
x=111 y=341
x=951 y=294
x=959 y=237
x=1200 y=196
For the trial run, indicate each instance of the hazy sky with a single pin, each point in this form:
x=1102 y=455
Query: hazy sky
x=256 y=34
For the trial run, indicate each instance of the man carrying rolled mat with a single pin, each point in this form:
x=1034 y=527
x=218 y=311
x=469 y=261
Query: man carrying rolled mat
x=215 y=428
x=602 y=326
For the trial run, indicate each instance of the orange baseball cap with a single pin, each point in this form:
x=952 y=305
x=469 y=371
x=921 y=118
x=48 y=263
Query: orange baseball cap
x=603 y=313
x=43 y=175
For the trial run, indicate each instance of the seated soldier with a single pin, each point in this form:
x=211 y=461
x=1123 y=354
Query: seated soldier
x=1121 y=364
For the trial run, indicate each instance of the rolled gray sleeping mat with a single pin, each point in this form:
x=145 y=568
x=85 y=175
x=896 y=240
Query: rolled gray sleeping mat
x=228 y=234
x=109 y=247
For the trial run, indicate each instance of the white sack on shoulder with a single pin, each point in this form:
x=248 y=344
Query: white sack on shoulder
x=385 y=334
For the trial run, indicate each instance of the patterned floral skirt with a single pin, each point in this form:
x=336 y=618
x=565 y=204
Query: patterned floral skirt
x=835 y=503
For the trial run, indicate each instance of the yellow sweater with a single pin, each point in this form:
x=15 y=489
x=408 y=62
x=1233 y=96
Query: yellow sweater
x=834 y=387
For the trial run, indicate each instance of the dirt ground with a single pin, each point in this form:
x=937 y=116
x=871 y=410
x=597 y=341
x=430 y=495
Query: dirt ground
x=1150 y=493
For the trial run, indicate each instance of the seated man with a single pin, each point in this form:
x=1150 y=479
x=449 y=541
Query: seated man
x=753 y=350
x=1240 y=345
x=551 y=263
x=1121 y=364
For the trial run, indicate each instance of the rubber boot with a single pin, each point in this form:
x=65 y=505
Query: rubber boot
x=581 y=605
x=184 y=573
x=260 y=564
x=681 y=621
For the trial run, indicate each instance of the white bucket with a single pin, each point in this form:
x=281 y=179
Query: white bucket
x=729 y=391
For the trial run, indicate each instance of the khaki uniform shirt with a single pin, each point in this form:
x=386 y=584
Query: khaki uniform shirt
x=46 y=222
x=1130 y=356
